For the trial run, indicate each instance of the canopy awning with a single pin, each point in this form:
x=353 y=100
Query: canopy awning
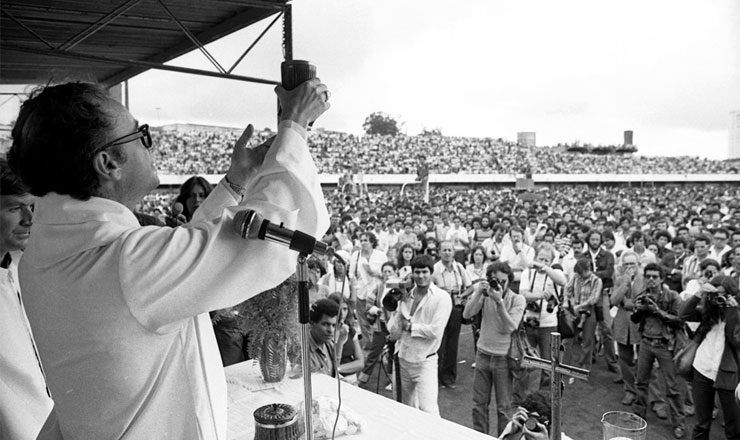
x=44 y=41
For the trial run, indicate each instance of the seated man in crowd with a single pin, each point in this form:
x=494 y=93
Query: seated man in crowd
x=323 y=322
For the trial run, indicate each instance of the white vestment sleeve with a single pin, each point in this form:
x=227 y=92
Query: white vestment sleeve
x=167 y=275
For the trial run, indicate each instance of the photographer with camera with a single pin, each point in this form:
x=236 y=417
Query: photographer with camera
x=432 y=248
x=539 y=287
x=451 y=276
x=378 y=317
x=581 y=295
x=656 y=312
x=365 y=266
x=715 y=368
x=628 y=285
x=417 y=326
x=709 y=268
x=502 y=313
x=602 y=264
x=531 y=420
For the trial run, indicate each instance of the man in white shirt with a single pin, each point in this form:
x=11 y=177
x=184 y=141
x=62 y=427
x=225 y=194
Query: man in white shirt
x=691 y=270
x=458 y=235
x=518 y=255
x=451 y=276
x=388 y=239
x=720 y=246
x=442 y=226
x=119 y=311
x=25 y=401
x=418 y=325
x=494 y=245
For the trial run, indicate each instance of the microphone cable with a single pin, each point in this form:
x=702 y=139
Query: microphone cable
x=338 y=359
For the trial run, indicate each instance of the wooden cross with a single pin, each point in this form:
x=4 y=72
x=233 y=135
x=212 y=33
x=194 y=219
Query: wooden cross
x=556 y=386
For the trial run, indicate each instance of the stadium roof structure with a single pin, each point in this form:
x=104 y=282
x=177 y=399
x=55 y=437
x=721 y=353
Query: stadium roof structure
x=44 y=41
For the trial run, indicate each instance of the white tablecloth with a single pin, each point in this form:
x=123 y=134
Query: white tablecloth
x=383 y=418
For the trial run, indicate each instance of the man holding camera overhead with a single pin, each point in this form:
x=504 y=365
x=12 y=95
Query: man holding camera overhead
x=656 y=312
x=418 y=325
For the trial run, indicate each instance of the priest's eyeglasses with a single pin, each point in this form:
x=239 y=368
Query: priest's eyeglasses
x=141 y=133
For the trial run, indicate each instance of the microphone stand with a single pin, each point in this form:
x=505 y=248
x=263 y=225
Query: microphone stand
x=303 y=318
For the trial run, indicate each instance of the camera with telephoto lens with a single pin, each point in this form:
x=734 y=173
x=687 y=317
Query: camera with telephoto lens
x=391 y=299
x=582 y=316
x=717 y=300
x=432 y=252
x=399 y=283
x=642 y=302
x=495 y=284
x=398 y=286
x=552 y=302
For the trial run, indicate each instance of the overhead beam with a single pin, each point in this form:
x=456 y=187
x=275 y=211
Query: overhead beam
x=227 y=27
x=143 y=65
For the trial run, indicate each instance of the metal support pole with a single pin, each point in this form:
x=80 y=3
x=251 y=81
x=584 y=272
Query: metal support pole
x=303 y=318
x=555 y=385
x=288 y=33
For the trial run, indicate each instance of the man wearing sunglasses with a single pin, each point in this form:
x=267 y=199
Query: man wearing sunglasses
x=656 y=312
x=120 y=311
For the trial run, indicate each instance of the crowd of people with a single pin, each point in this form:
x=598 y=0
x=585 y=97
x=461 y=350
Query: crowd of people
x=638 y=267
x=107 y=319
x=204 y=152
x=635 y=267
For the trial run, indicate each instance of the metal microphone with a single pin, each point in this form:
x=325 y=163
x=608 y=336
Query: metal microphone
x=249 y=224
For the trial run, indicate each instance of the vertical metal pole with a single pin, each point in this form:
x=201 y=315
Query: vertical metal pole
x=287 y=43
x=555 y=387
x=288 y=33
x=303 y=317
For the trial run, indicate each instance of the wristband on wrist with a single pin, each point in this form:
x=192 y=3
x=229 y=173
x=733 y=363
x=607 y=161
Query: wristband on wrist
x=238 y=189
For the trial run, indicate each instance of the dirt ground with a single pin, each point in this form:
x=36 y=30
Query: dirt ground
x=584 y=403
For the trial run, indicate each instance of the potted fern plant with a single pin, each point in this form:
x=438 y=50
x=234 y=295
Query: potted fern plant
x=271 y=321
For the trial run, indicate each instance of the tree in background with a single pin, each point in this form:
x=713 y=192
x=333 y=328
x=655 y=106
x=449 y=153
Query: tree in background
x=380 y=123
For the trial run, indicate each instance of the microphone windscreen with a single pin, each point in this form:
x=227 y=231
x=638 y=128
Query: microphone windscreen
x=177 y=209
x=247 y=223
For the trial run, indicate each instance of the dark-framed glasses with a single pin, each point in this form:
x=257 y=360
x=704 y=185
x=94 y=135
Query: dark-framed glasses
x=652 y=277
x=141 y=133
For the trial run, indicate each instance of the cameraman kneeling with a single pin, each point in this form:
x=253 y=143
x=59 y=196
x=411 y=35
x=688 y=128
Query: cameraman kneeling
x=531 y=420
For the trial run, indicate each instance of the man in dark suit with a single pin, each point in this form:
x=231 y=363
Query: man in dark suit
x=672 y=263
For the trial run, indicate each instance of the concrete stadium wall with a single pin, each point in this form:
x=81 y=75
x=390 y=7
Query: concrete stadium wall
x=169 y=180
